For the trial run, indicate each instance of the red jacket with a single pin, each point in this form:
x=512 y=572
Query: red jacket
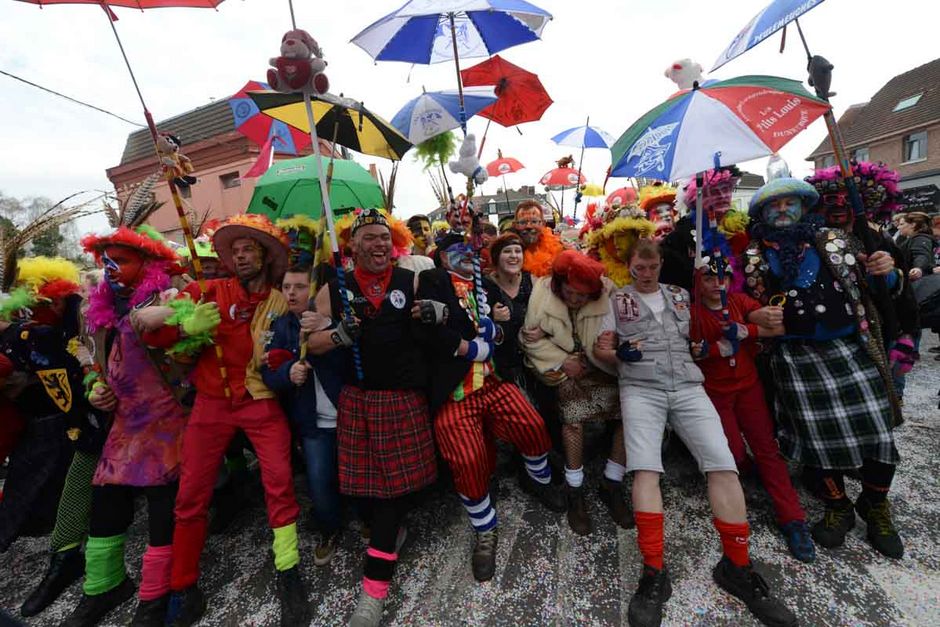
x=720 y=375
x=236 y=308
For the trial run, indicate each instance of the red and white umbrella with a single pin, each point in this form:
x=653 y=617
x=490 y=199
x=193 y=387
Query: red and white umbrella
x=503 y=165
x=621 y=197
x=562 y=178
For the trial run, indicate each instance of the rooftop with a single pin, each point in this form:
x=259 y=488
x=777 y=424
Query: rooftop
x=194 y=125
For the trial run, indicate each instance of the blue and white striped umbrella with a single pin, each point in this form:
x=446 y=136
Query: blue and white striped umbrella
x=585 y=136
x=436 y=112
x=421 y=30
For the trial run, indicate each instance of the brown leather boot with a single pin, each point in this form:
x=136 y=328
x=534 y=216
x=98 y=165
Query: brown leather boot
x=611 y=493
x=578 y=518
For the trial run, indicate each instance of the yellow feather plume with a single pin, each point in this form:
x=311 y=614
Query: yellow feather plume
x=35 y=272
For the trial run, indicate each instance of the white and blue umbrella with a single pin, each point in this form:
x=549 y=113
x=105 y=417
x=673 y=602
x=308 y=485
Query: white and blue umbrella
x=432 y=31
x=772 y=18
x=436 y=112
x=585 y=136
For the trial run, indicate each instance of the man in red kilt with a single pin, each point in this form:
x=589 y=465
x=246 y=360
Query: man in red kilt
x=472 y=406
x=383 y=428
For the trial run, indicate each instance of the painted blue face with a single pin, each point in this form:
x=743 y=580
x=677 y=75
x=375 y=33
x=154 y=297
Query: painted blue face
x=460 y=259
x=783 y=212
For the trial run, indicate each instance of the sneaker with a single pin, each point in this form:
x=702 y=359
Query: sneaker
x=646 y=606
x=747 y=585
x=799 y=540
x=150 y=613
x=65 y=567
x=325 y=548
x=295 y=610
x=368 y=612
x=578 y=518
x=881 y=533
x=547 y=494
x=484 y=555
x=92 y=608
x=837 y=520
x=611 y=493
x=185 y=607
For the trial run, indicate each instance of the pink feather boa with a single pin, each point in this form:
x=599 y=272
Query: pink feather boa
x=101 y=313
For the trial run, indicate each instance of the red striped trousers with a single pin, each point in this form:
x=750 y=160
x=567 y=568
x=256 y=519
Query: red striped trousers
x=466 y=431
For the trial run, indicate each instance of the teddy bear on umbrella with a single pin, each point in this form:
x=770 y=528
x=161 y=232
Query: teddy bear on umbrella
x=300 y=66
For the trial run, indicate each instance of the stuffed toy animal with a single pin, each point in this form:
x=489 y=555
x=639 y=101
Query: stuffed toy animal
x=684 y=73
x=168 y=146
x=467 y=162
x=300 y=66
x=566 y=162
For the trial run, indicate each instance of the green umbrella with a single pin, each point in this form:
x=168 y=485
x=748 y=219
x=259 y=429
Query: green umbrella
x=291 y=187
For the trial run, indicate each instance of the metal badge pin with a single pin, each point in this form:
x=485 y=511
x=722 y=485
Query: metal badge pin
x=820 y=309
x=835 y=258
x=831 y=247
x=749 y=269
x=791 y=293
x=850 y=259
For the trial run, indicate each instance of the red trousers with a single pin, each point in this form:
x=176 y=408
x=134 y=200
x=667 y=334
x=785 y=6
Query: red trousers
x=465 y=432
x=744 y=416
x=211 y=426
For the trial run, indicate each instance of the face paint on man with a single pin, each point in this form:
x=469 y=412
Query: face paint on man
x=459 y=259
x=529 y=223
x=661 y=216
x=783 y=212
x=122 y=266
x=421 y=232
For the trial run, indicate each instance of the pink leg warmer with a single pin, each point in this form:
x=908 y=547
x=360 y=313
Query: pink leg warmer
x=155 y=573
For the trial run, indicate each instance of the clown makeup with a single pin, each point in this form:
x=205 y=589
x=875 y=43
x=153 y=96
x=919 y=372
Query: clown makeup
x=459 y=259
x=122 y=266
x=783 y=212
x=510 y=259
x=247 y=257
x=421 y=231
x=661 y=216
x=529 y=223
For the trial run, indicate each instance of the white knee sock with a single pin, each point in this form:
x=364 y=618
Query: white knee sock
x=574 y=476
x=614 y=471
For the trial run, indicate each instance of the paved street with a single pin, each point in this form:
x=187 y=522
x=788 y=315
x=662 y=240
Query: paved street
x=548 y=576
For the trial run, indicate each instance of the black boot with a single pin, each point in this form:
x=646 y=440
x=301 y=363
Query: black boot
x=65 y=567
x=185 y=607
x=150 y=613
x=92 y=608
x=547 y=494
x=484 y=555
x=578 y=518
x=881 y=533
x=646 y=606
x=748 y=586
x=611 y=493
x=295 y=610
x=837 y=520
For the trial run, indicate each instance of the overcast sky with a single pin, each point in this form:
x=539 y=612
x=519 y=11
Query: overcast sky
x=597 y=57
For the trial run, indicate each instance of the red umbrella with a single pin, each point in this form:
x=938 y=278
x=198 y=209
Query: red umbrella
x=258 y=126
x=621 y=197
x=522 y=97
x=503 y=165
x=562 y=178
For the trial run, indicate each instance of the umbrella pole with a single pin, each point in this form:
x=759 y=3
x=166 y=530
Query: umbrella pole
x=483 y=141
x=577 y=195
x=506 y=193
x=331 y=228
x=453 y=38
x=174 y=193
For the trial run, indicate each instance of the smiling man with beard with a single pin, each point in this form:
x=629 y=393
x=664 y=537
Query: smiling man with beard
x=540 y=244
x=234 y=313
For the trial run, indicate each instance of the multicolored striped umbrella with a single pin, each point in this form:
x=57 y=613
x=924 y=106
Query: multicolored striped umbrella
x=718 y=123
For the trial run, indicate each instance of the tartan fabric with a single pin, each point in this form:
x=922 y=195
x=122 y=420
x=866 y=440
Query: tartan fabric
x=832 y=404
x=466 y=431
x=385 y=444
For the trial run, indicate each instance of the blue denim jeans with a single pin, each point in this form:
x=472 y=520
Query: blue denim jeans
x=320 y=453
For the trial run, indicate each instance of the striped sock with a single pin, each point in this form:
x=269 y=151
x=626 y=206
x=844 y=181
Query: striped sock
x=481 y=512
x=377 y=574
x=538 y=468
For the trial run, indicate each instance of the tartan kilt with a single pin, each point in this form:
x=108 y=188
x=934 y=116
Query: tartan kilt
x=385 y=443
x=832 y=404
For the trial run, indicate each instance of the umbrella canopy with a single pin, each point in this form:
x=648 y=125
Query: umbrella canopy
x=503 y=166
x=621 y=197
x=436 y=112
x=419 y=32
x=592 y=189
x=584 y=136
x=291 y=187
x=725 y=122
x=562 y=178
x=772 y=18
x=259 y=127
x=358 y=128
x=522 y=97
x=137 y=4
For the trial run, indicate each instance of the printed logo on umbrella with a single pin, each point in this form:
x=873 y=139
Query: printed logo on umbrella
x=763 y=112
x=650 y=149
x=573 y=179
x=430 y=122
x=504 y=168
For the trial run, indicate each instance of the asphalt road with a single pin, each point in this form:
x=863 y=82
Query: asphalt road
x=548 y=576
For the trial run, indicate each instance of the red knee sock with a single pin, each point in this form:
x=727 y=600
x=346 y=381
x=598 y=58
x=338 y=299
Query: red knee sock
x=649 y=537
x=734 y=541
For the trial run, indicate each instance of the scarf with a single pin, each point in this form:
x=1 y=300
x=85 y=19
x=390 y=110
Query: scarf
x=373 y=285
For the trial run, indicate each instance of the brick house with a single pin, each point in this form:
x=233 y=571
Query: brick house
x=900 y=126
x=220 y=155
